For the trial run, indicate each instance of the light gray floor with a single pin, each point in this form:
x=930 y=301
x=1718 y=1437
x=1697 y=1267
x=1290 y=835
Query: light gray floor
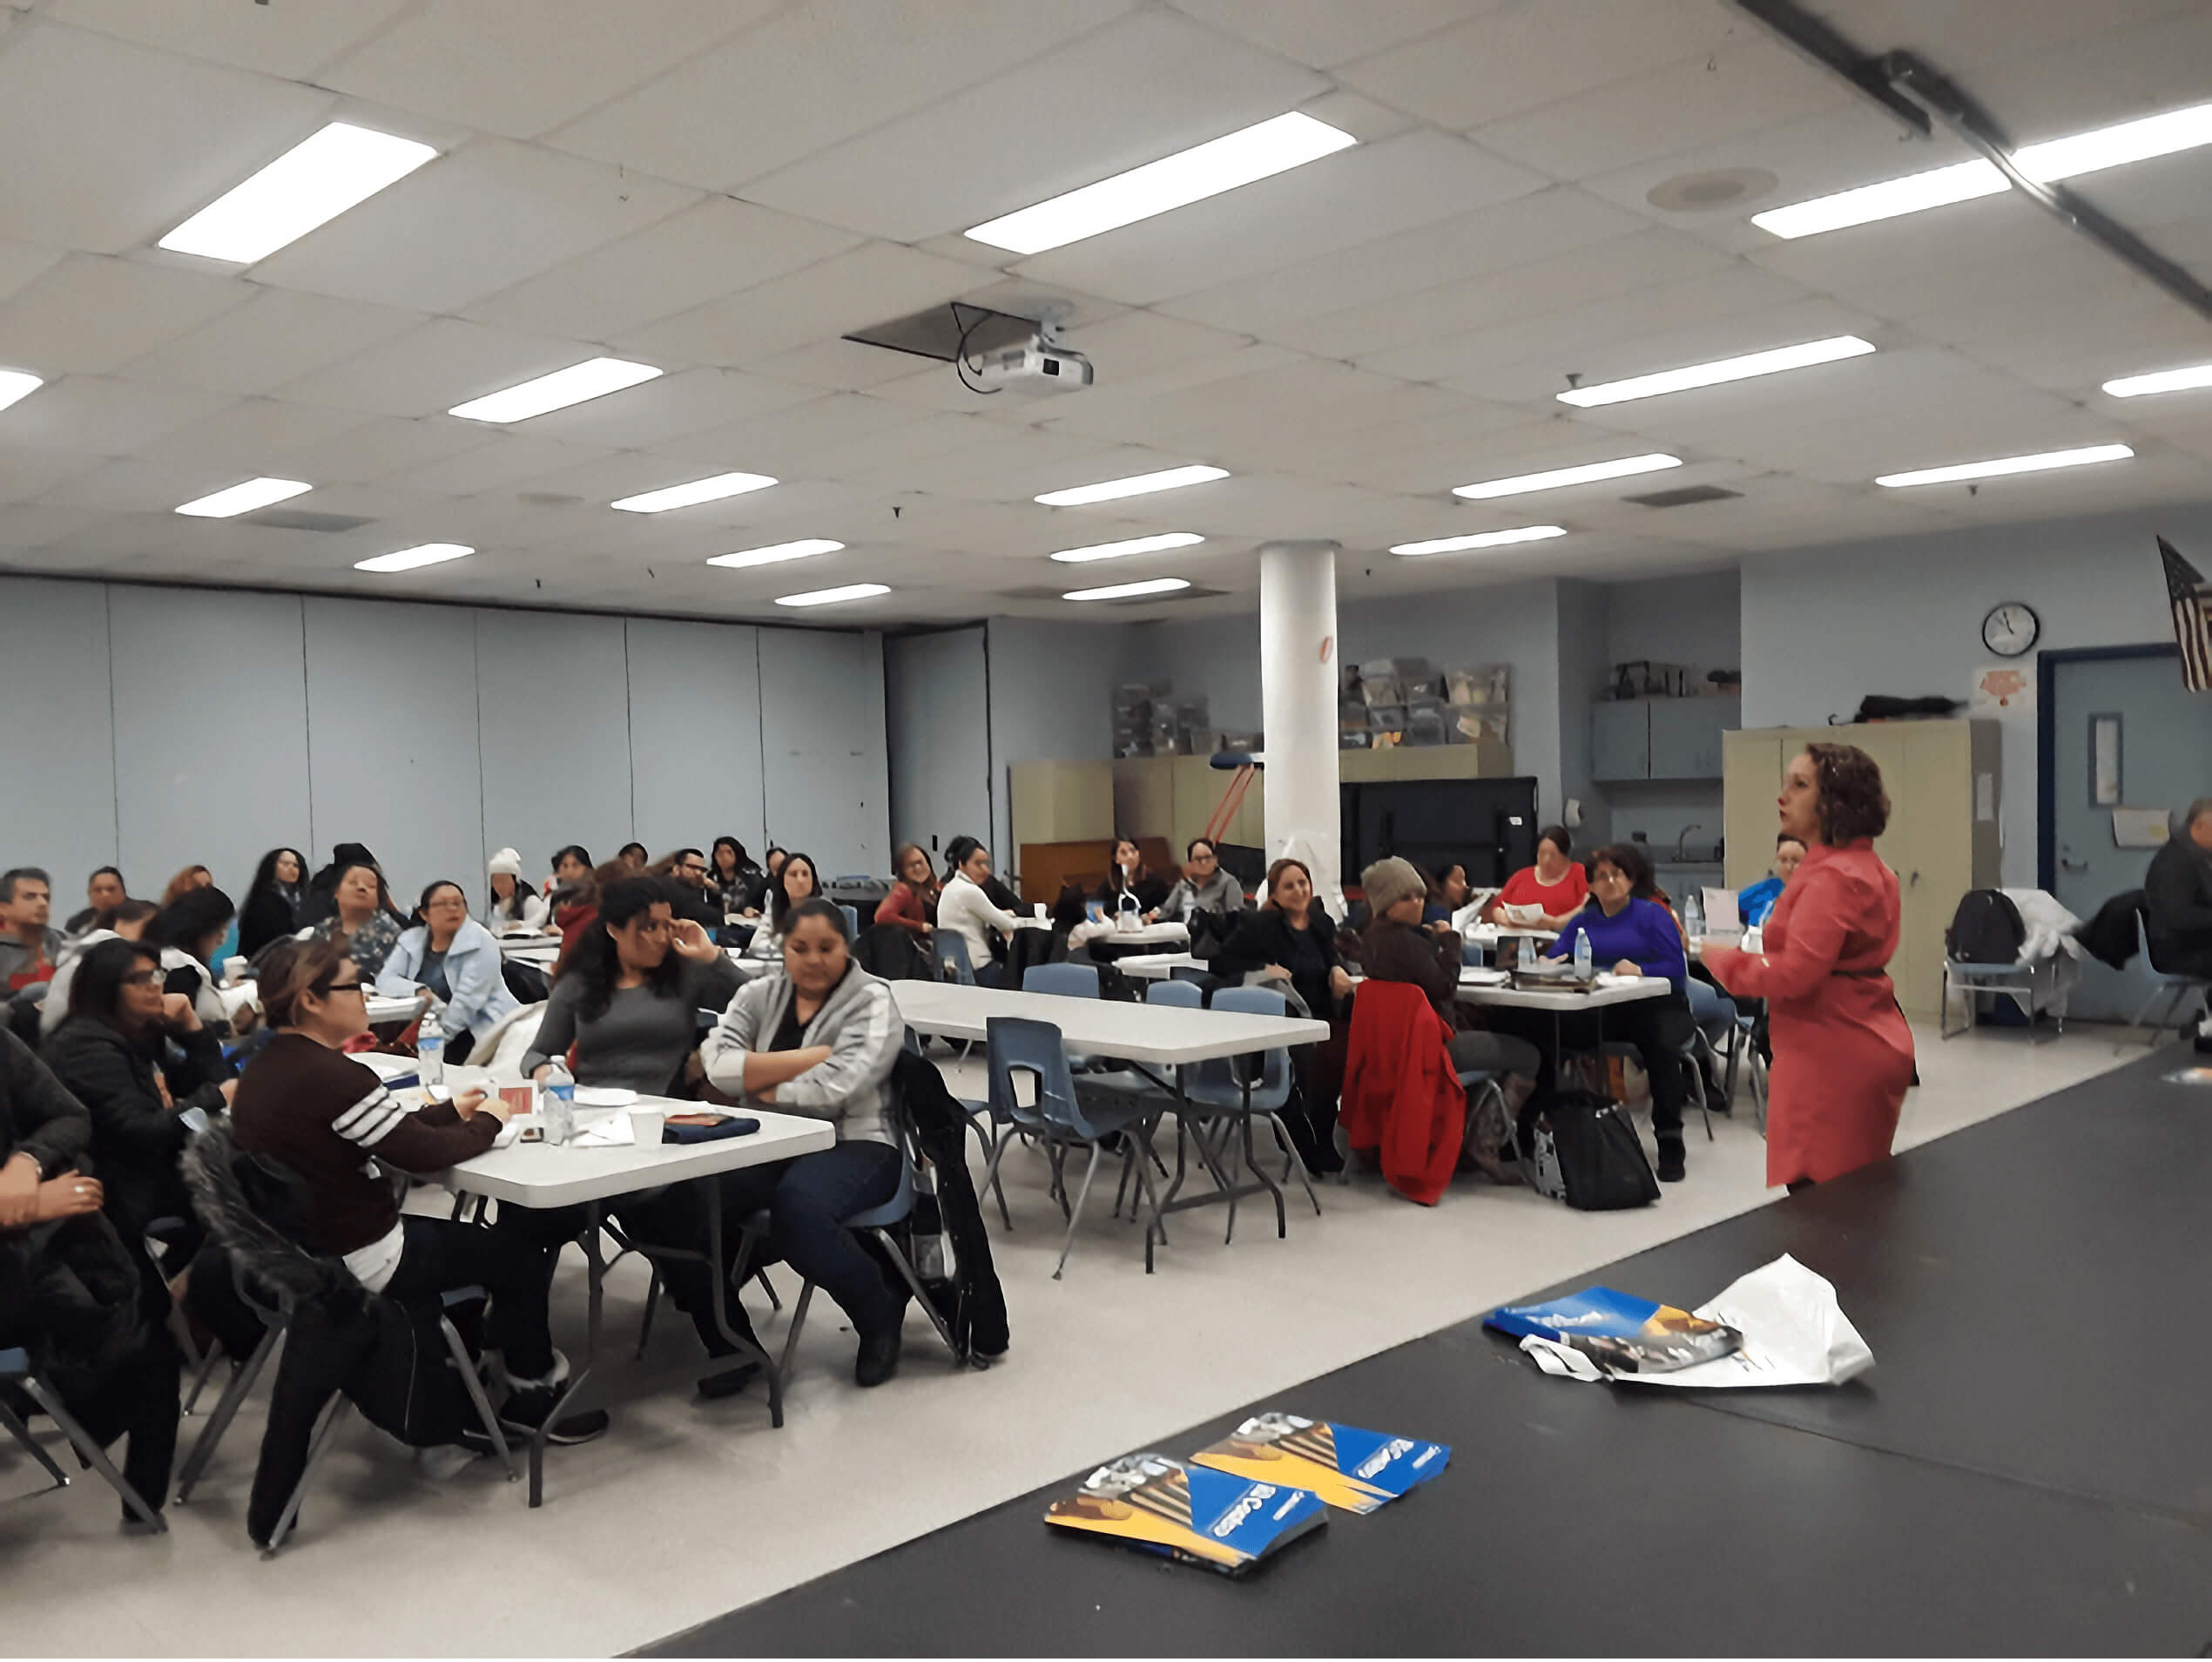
x=688 y=1509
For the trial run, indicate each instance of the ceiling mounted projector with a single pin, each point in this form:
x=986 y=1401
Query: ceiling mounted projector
x=1036 y=368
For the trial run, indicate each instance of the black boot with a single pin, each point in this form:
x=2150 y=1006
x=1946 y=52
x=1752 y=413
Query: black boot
x=879 y=1357
x=1671 y=1157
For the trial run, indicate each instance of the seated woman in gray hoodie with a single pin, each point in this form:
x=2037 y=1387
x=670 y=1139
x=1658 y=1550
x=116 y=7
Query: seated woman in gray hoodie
x=1204 y=887
x=819 y=1038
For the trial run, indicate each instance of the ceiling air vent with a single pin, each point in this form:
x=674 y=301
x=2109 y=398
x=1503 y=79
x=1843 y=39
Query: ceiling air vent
x=300 y=519
x=1684 y=497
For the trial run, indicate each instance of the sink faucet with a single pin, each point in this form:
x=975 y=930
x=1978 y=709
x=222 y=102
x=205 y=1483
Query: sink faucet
x=1681 y=850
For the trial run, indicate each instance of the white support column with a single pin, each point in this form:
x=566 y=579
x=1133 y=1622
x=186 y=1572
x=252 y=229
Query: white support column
x=1298 y=679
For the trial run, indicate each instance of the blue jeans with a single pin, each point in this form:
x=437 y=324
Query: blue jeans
x=808 y=1200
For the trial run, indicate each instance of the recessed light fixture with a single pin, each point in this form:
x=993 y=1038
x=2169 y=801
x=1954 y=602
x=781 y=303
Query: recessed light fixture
x=690 y=496
x=1129 y=591
x=1557 y=478
x=243 y=498
x=593 y=378
x=831 y=596
x=17 y=384
x=1480 y=539
x=1139 y=484
x=776 y=553
x=2054 y=159
x=2163 y=380
x=1800 y=356
x=406 y=559
x=1131 y=545
x=310 y=185
x=2005 y=464
x=1223 y=163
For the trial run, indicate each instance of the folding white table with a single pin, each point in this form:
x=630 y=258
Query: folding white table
x=1151 y=1037
x=542 y=1177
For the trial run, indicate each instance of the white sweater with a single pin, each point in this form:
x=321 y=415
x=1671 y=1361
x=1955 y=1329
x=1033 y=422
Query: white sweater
x=964 y=909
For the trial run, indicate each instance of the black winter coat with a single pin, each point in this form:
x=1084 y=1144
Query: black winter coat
x=977 y=1312
x=136 y=1141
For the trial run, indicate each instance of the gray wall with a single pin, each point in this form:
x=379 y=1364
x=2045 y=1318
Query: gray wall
x=157 y=727
x=1823 y=627
x=937 y=716
x=1052 y=700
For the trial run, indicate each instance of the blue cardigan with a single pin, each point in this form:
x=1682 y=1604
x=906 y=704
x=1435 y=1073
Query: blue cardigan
x=1644 y=934
x=473 y=971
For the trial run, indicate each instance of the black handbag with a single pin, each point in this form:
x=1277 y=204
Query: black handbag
x=1589 y=1155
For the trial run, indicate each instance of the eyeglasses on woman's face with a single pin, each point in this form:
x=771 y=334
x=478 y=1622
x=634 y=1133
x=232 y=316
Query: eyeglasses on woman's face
x=142 y=978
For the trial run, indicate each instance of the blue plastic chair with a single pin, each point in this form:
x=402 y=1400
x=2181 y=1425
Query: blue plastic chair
x=1183 y=995
x=1060 y=1119
x=949 y=951
x=851 y=920
x=2171 y=986
x=1225 y=1087
x=1062 y=980
x=14 y=1369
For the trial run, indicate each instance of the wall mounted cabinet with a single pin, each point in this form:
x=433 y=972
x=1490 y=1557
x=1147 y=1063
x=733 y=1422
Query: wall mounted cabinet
x=1665 y=739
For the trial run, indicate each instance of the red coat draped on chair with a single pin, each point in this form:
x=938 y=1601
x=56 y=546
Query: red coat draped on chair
x=1401 y=1095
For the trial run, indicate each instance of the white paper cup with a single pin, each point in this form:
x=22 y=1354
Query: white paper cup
x=645 y=1125
x=1041 y=911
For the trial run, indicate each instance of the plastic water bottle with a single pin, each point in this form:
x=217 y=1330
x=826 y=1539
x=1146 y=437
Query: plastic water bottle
x=557 y=1103
x=1583 y=955
x=430 y=1049
x=1693 y=916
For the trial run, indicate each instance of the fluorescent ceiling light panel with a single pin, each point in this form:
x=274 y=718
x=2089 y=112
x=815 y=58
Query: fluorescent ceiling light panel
x=2053 y=159
x=1558 y=478
x=2006 y=464
x=1257 y=153
x=408 y=559
x=16 y=385
x=593 y=378
x=244 y=498
x=1800 y=356
x=831 y=596
x=690 y=496
x=311 y=184
x=777 y=551
x=1129 y=591
x=1127 y=546
x=1482 y=540
x=2163 y=380
x=1138 y=484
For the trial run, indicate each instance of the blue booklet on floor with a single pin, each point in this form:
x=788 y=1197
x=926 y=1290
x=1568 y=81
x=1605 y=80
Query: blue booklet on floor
x=1349 y=1469
x=1189 y=1513
x=1623 y=1335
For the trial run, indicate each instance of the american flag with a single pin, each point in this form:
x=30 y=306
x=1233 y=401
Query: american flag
x=2191 y=598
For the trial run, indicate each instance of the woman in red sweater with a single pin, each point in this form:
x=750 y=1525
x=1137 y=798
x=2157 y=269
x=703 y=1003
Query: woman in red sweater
x=1555 y=883
x=912 y=903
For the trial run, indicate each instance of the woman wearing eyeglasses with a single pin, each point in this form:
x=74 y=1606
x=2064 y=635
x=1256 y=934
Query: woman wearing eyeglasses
x=327 y=1120
x=137 y=1058
x=1204 y=887
x=455 y=960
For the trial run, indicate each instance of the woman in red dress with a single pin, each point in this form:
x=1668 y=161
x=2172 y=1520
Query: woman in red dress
x=1843 y=1055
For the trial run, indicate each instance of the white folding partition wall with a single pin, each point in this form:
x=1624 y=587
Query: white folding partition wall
x=937 y=717
x=211 y=732
x=695 y=734
x=155 y=727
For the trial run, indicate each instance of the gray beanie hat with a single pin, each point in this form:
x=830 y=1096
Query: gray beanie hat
x=1388 y=881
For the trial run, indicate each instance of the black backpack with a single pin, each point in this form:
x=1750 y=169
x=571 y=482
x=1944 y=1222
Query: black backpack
x=1987 y=928
x=1589 y=1155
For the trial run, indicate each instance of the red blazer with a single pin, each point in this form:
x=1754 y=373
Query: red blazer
x=1401 y=1094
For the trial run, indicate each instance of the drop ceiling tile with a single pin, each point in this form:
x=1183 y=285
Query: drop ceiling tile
x=27 y=528
x=291 y=40
x=384 y=446
x=1571 y=337
x=23 y=262
x=1684 y=106
x=25 y=474
x=510 y=457
x=1578 y=276
x=520 y=67
x=842 y=366
x=91 y=127
x=479 y=219
x=1326 y=33
x=91 y=313
x=1122 y=409
x=1150 y=83
x=819 y=72
x=2117 y=74
x=788 y=443
x=1352 y=197
x=253 y=438
x=1972 y=36
x=871 y=284
x=1519 y=57
x=276 y=336
x=1516 y=233
x=676 y=406
x=720 y=248
x=434 y=367
x=95 y=416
